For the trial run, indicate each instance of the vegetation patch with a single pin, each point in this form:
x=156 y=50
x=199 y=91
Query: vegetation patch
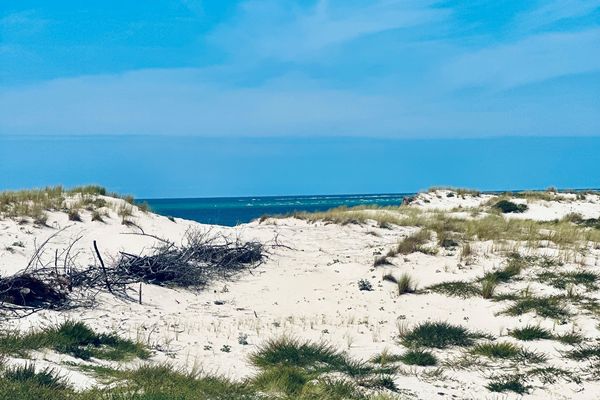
x=406 y=284
x=419 y=357
x=505 y=350
x=531 y=332
x=73 y=338
x=508 y=383
x=561 y=280
x=456 y=288
x=507 y=206
x=547 y=307
x=438 y=335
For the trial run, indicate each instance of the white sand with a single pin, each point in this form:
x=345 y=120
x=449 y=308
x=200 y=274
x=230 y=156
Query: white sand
x=308 y=290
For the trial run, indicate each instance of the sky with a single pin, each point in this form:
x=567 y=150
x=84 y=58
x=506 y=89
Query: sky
x=201 y=72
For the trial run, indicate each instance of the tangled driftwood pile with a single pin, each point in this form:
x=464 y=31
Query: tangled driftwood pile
x=201 y=258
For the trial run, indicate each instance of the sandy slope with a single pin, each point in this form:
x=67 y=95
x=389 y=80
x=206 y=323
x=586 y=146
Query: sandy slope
x=308 y=289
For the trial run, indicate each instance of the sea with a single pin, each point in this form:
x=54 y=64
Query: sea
x=231 y=211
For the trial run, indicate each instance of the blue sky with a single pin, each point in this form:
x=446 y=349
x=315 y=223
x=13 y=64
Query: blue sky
x=281 y=69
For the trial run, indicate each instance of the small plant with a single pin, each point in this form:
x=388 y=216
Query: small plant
x=456 y=288
x=505 y=350
x=584 y=353
x=243 y=339
x=76 y=339
x=571 y=338
x=389 y=278
x=74 y=215
x=507 y=206
x=406 y=284
x=508 y=383
x=364 y=284
x=226 y=348
x=439 y=335
x=144 y=207
x=531 y=332
x=381 y=260
x=96 y=216
x=497 y=350
x=27 y=375
x=547 y=307
x=488 y=287
x=414 y=242
x=419 y=357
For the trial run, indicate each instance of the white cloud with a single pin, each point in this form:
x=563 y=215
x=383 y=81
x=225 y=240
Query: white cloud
x=533 y=59
x=276 y=30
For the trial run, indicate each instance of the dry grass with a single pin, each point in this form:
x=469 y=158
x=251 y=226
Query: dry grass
x=34 y=203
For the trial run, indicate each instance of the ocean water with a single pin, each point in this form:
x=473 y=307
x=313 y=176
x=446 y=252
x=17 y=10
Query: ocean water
x=231 y=211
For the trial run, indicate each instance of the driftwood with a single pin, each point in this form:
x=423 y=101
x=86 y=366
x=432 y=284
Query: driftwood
x=201 y=258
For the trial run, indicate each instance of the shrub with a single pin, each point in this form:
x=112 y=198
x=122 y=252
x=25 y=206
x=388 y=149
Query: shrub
x=507 y=206
x=364 y=284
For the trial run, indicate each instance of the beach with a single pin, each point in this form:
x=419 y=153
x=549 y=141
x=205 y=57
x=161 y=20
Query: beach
x=308 y=287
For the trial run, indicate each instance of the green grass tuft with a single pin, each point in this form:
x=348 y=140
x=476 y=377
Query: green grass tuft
x=547 y=307
x=419 y=357
x=456 y=288
x=438 y=335
x=508 y=383
x=73 y=338
x=531 y=332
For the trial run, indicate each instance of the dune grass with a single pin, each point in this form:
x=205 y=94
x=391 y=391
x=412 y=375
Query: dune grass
x=508 y=383
x=461 y=289
x=531 y=332
x=547 y=307
x=406 y=284
x=33 y=203
x=75 y=339
x=506 y=351
x=438 y=335
x=561 y=280
x=420 y=357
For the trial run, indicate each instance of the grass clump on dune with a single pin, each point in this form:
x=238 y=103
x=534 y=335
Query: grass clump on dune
x=34 y=203
x=406 y=284
x=547 y=307
x=438 y=335
x=562 y=280
x=507 y=351
x=508 y=383
x=306 y=355
x=531 y=332
x=413 y=243
x=73 y=338
x=419 y=357
x=301 y=369
x=456 y=288
x=507 y=206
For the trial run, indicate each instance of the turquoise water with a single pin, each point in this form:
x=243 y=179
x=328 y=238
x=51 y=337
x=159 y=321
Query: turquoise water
x=231 y=211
